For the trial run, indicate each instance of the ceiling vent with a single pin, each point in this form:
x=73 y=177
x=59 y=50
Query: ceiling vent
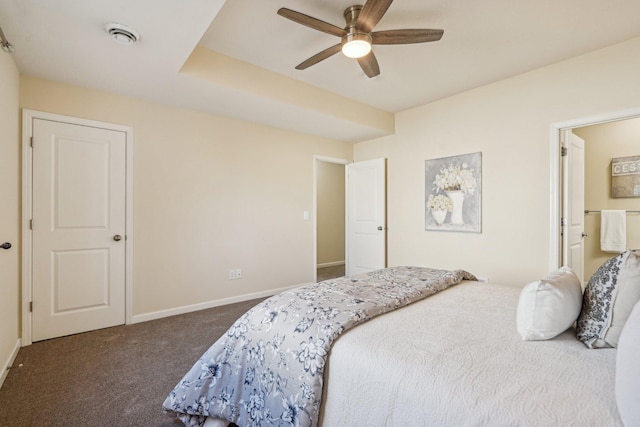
x=122 y=34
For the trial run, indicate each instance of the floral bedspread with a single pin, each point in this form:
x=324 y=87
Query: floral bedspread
x=267 y=370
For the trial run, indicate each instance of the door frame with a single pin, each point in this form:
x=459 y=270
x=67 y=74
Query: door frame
x=316 y=159
x=556 y=180
x=27 y=193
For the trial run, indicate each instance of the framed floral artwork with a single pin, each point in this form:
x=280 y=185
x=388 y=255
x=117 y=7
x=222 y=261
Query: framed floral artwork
x=453 y=193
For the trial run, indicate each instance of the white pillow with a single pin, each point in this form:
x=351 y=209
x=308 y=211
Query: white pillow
x=628 y=370
x=548 y=307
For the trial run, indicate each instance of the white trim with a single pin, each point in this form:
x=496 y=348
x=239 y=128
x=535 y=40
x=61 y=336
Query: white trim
x=331 y=264
x=554 y=199
x=316 y=159
x=27 y=132
x=556 y=180
x=7 y=365
x=208 y=304
x=128 y=241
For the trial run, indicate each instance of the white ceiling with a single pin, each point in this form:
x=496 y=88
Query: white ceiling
x=484 y=41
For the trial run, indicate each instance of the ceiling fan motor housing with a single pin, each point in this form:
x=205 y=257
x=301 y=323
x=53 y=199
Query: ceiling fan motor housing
x=355 y=43
x=351 y=16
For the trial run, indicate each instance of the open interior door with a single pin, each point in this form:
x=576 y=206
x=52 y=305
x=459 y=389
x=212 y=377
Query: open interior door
x=366 y=242
x=573 y=203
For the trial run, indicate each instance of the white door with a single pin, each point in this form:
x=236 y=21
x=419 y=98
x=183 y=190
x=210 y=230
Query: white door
x=573 y=204
x=366 y=216
x=78 y=229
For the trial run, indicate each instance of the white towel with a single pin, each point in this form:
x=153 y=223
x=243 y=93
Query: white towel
x=613 y=231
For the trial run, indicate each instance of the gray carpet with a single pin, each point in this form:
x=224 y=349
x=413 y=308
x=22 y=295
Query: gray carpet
x=325 y=273
x=111 y=377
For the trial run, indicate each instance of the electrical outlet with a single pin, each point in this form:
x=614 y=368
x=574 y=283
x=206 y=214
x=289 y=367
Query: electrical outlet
x=232 y=274
x=238 y=273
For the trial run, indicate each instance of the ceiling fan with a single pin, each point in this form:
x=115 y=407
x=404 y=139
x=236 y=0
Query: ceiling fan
x=358 y=35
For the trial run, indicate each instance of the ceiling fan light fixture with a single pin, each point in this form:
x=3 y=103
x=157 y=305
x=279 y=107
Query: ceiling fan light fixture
x=356 y=45
x=357 y=37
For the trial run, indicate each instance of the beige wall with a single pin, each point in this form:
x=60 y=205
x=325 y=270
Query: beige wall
x=210 y=194
x=331 y=212
x=9 y=210
x=509 y=122
x=604 y=142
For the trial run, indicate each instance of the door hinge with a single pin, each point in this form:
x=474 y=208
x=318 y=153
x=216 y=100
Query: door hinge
x=30 y=224
x=30 y=306
x=31 y=142
x=562 y=222
x=563 y=151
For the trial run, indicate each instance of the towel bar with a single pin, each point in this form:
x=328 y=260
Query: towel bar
x=590 y=211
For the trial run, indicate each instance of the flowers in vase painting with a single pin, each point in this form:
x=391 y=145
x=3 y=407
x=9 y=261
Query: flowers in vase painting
x=439 y=203
x=453 y=193
x=439 y=206
x=455 y=177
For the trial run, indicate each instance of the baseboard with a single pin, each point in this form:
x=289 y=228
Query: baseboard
x=7 y=365
x=204 y=305
x=330 y=264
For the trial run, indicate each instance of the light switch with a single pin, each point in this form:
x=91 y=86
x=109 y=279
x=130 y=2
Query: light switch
x=305 y=215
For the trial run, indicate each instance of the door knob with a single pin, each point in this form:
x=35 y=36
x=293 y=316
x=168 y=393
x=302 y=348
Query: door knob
x=117 y=237
x=5 y=245
x=584 y=235
x=380 y=228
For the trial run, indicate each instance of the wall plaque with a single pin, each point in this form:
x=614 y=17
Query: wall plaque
x=625 y=177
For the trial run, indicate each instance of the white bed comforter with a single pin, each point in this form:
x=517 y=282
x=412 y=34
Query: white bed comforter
x=456 y=359
x=268 y=368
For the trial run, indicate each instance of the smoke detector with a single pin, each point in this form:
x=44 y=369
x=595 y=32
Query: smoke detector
x=122 y=34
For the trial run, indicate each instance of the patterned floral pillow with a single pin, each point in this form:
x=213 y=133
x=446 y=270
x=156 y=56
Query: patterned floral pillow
x=608 y=300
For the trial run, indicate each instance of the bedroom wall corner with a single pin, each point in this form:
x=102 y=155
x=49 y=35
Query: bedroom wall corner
x=10 y=213
x=509 y=122
x=210 y=193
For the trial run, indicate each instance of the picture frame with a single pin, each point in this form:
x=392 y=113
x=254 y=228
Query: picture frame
x=453 y=193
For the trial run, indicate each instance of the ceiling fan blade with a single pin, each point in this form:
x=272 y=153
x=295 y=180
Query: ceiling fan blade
x=405 y=36
x=371 y=13
x=369 y=65
x=321 y=56
x=311 y=22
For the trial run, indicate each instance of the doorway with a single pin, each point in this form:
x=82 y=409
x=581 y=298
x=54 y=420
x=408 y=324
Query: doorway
x=329 y=198
x=77 y=225
x=605 y=138
x=364 y=214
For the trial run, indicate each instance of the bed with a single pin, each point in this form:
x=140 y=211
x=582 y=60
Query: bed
x=452 y=357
